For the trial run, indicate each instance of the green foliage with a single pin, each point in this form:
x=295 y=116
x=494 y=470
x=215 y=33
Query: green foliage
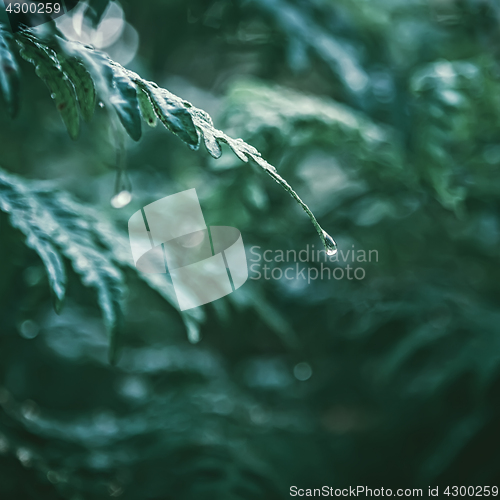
x=385 y=116
x=121 y=94
x=171 y=111
x=146 y=106
x=277 y=114
x=76 y=72
x=456 y=111
x=50 y=71
x=9 y=73
x=54 y=227
x=118 y=87
x=307 y=31
x=30 y=217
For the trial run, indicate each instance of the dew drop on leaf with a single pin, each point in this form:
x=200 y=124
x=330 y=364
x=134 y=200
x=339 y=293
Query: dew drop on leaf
x=302 y=371
x=330 y=245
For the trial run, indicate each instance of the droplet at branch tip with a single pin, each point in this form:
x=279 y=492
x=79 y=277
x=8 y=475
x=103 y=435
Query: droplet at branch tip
x=329 y=242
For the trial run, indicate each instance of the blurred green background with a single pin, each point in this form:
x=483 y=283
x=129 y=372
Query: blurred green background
x=384 y=115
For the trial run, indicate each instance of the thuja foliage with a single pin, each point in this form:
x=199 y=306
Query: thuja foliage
x=78 y=77
x=384 y=116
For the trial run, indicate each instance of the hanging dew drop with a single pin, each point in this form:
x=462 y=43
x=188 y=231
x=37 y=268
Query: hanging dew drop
x=122 y=199
x=330 y=245
x=331 y=251
x=101 y=104
x=328 y=241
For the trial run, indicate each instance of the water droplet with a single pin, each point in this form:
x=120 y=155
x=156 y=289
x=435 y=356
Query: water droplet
x=302 y=371
x=24 y=456
x=122 y=199
x=53 y=95
x=101 y=104
x=330 y=245
x=28 y=329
